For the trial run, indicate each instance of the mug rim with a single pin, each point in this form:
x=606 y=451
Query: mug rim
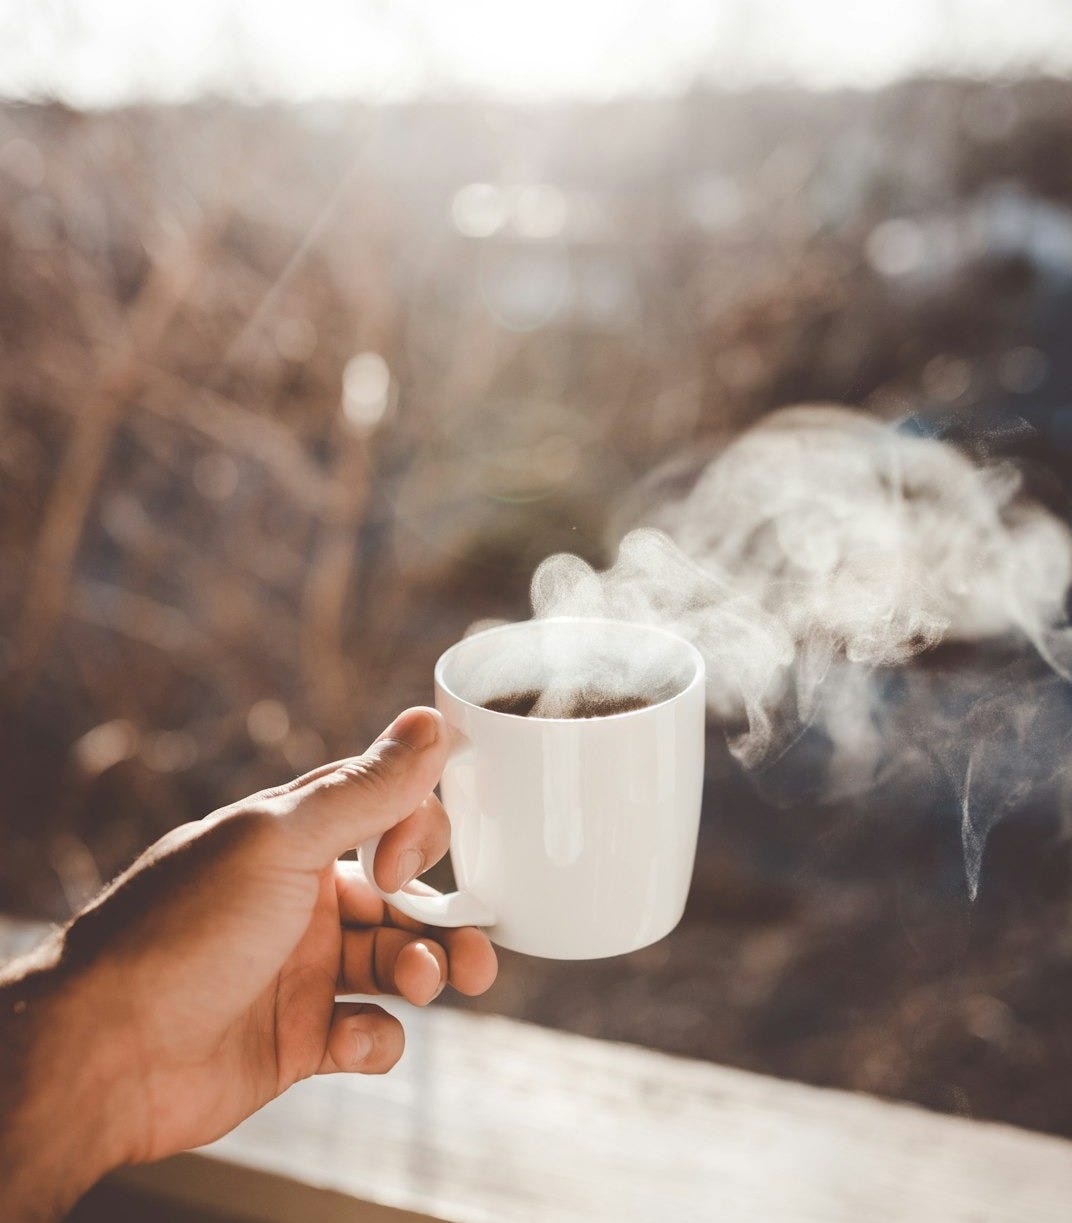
x=698 y=676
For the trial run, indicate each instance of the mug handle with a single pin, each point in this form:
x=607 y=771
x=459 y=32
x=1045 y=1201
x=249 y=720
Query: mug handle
x=454 y=908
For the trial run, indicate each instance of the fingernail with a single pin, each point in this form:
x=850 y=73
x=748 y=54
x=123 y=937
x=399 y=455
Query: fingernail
x=362 y=1046
x=416 y=727
x=442 y=980
x=410 y=865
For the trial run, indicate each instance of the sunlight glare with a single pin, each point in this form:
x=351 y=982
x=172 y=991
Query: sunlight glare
x=97 y=52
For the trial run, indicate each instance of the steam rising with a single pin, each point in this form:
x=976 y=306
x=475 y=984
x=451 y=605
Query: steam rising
x=821 y=549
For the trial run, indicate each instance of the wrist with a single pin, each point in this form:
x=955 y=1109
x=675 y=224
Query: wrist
x=65 y=1103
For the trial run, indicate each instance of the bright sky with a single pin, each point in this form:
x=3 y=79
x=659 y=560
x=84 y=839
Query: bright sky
x=96 y=52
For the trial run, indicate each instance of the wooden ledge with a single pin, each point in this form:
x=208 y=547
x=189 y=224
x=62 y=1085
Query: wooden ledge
x=488 y=1121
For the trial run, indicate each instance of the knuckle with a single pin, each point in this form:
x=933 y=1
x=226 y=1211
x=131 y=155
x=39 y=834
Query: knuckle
x=375 y=772
x=384 y=954
x=254 y=827
x=275 y=792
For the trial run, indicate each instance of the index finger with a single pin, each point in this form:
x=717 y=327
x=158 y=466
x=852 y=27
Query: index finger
x=412 y=846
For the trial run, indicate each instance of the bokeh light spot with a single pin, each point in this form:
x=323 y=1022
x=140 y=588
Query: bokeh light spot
x=215 y=476
x=478 y=210
x=896 y=247
x=268 y=723
x=366 y=390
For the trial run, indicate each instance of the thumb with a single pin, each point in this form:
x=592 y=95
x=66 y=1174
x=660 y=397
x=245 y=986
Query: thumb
x=368 y=794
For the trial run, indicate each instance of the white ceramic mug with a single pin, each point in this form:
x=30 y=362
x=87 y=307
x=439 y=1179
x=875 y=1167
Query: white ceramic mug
x=571 y=838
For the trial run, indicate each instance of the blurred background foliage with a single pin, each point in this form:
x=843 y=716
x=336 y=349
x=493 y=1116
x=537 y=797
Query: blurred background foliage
x=291 y=394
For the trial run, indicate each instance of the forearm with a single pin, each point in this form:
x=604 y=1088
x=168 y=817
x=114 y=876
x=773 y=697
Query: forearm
x=57 y=1132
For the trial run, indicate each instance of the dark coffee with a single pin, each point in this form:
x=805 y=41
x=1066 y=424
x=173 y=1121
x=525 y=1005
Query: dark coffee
x=521 y=704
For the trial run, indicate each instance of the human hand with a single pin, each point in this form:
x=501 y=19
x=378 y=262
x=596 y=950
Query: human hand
x=207 y=974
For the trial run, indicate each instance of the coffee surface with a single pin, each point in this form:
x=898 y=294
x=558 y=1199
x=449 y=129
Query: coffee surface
x=521 y=704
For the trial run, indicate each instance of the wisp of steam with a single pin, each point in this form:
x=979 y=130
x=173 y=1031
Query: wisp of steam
x=819 y=553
